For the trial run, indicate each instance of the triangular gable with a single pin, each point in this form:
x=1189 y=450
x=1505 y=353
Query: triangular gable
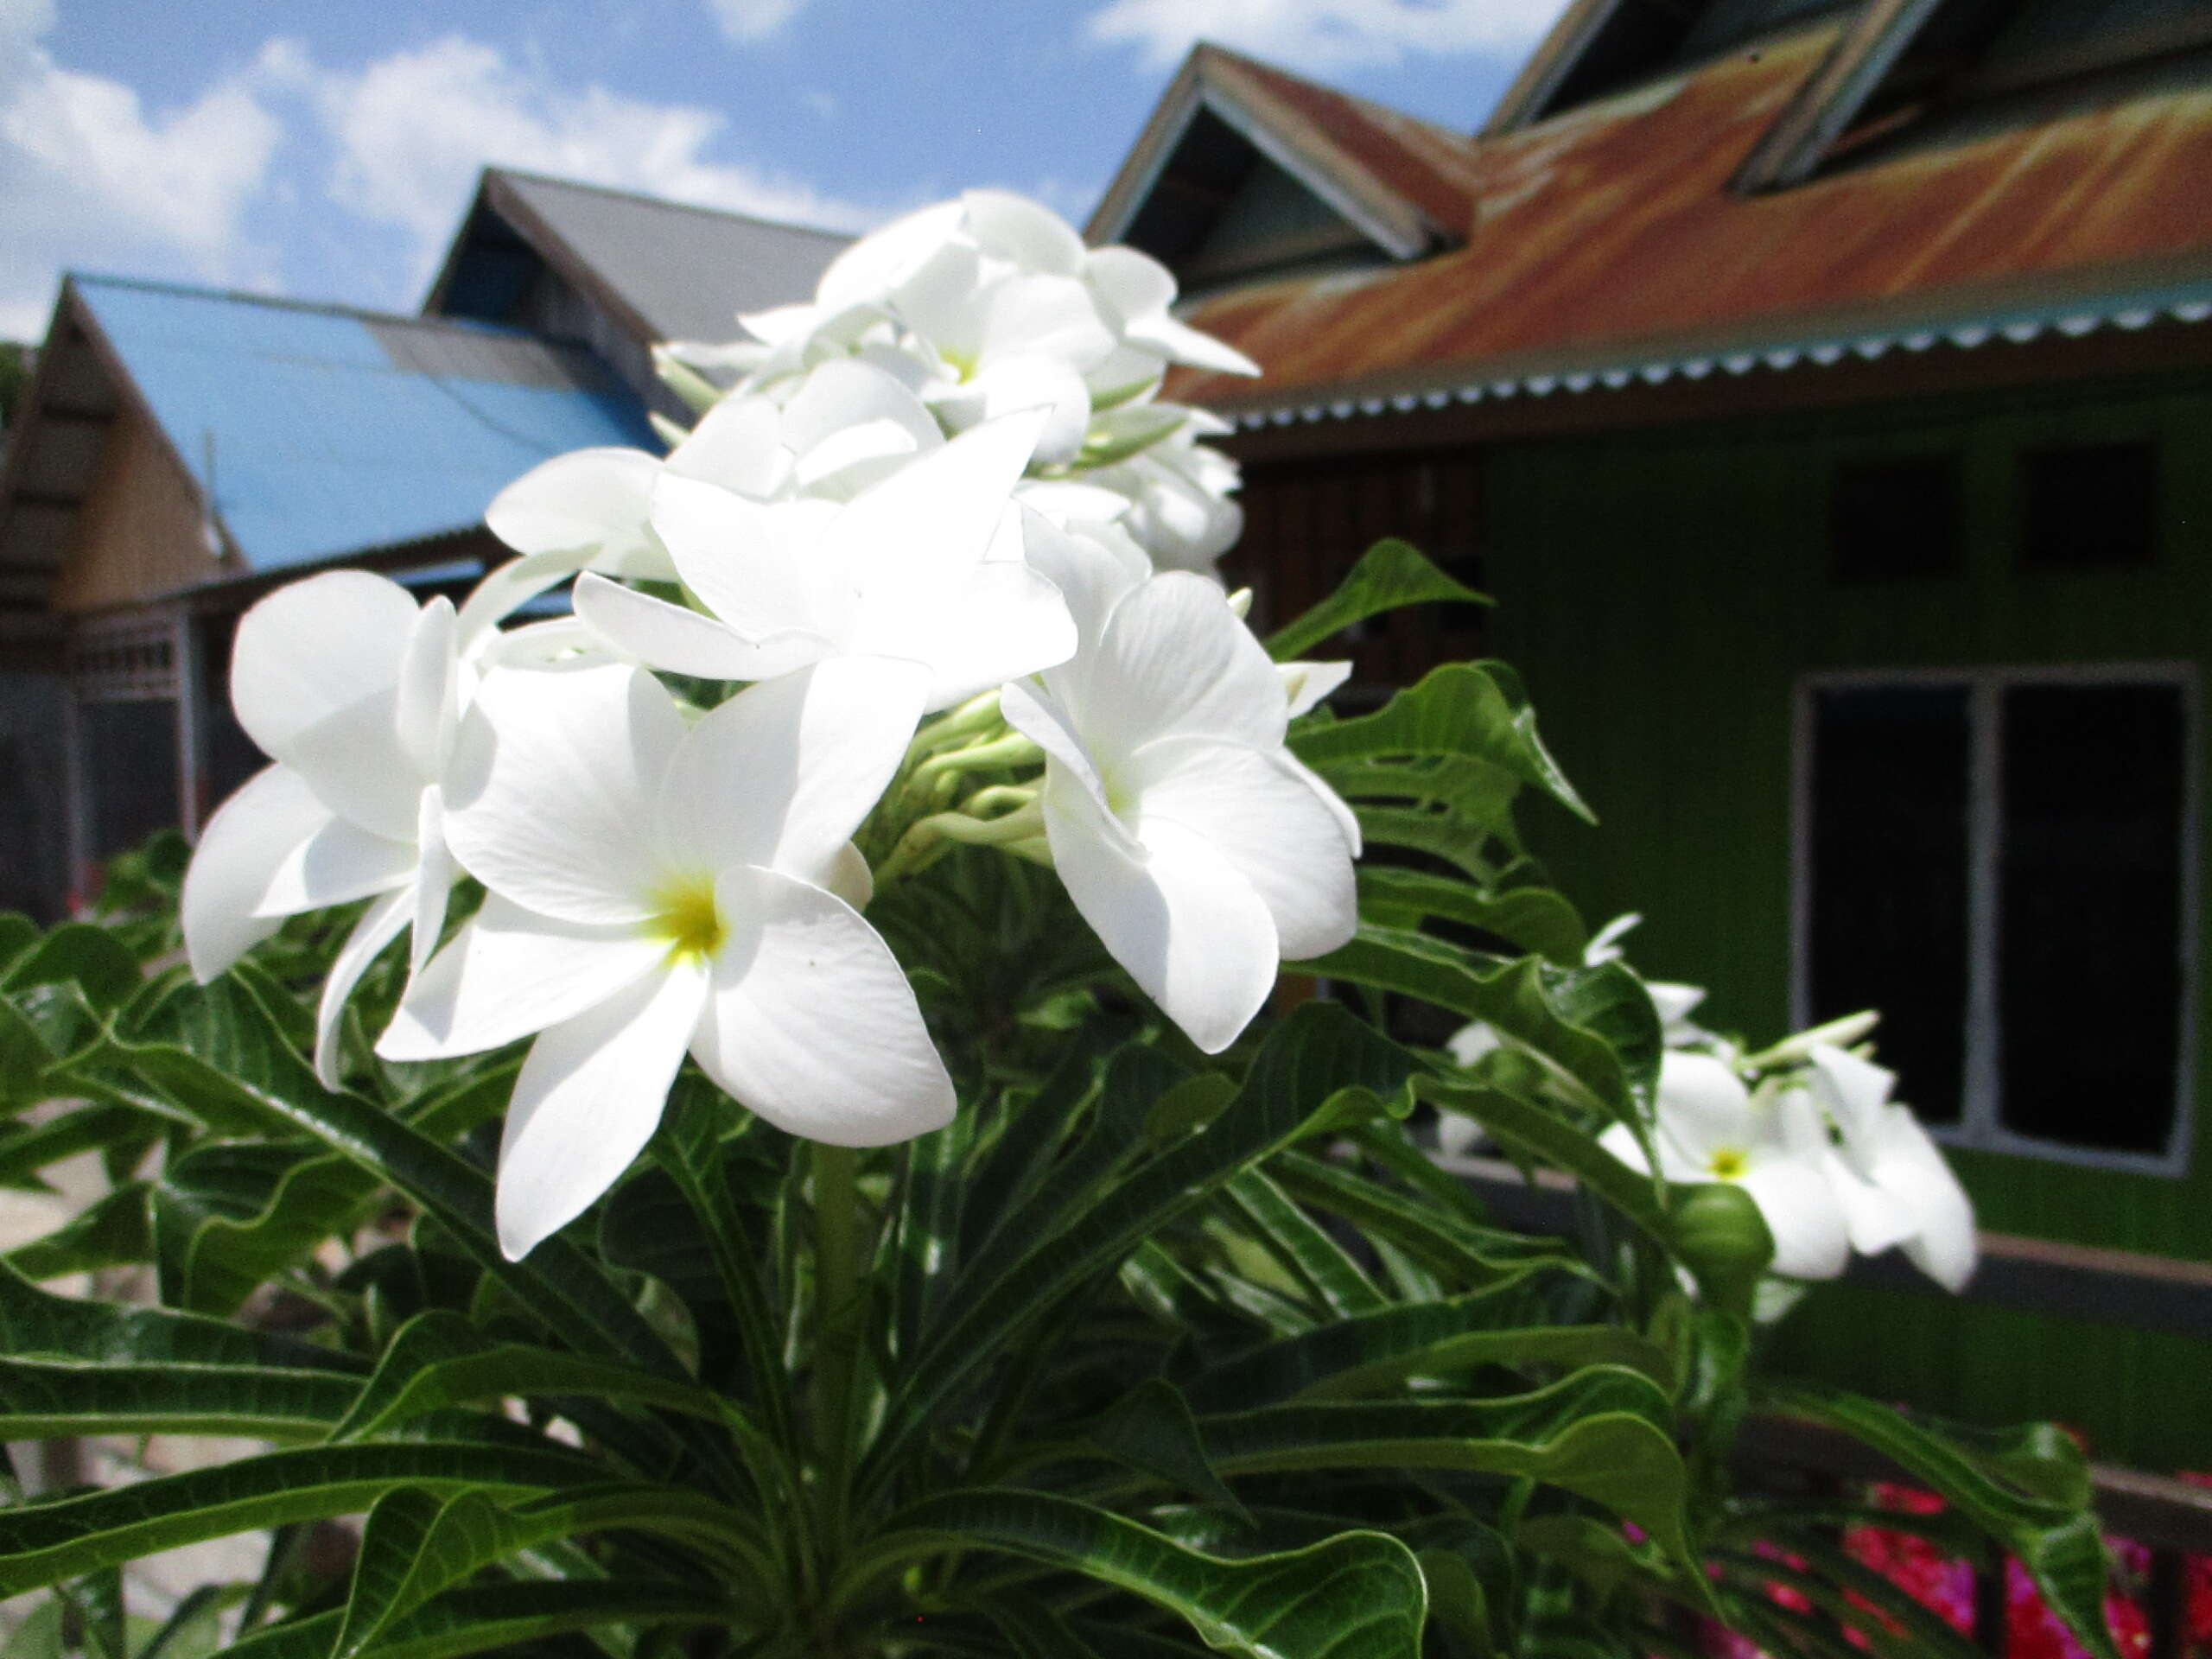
x=1244 y=170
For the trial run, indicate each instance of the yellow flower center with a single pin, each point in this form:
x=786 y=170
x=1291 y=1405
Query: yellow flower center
x=1729 y=1164
x=686 y=919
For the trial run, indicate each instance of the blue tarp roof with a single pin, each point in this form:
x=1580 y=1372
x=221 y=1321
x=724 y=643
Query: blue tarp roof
x=330 y=432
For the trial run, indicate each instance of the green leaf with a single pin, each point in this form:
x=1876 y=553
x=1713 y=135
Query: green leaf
x=63 y=1538
x=1034 y=1630
x=1457 y=1251
x=1317 y=1054
x=438 y=1360
x=417 y=1542
x=229 y=1216
x=1378 y=1351
x=1152 y=1430
x=1536 y=919
x=86 y=1129
x=1391 y=574
x=36 y=1323
x=1357 y=1596
x=78 y=953
x=1331 y=1277
x=110 y=1231
x=217 y=1050
x=1538 y=1005
x=1601 y=1433
x=2029 y=1490
x=1544 y=1136
x=17 y=934
x=484 y=1617
x=47 y=1399
x=1463 y=709
x=1458 y=1601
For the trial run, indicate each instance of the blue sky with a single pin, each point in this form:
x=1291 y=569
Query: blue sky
x=325 y=150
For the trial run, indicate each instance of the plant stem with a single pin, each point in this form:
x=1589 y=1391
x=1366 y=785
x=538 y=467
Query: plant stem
x=836 y=1316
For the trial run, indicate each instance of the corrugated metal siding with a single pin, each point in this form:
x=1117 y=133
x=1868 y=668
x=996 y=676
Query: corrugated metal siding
x=1662 y=596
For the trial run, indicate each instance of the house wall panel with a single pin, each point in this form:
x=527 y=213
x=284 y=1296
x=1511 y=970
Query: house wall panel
x=139 y=532
x=1664 y=594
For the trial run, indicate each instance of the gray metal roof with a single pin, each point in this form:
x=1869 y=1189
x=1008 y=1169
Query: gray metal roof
x=687 y=271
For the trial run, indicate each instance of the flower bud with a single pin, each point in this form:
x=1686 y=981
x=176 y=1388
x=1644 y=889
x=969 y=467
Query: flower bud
x=1723 y=1240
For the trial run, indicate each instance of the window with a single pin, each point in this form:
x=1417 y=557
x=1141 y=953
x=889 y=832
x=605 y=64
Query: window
x=2091 y=504
x=2001 y=862
x=1897 y=517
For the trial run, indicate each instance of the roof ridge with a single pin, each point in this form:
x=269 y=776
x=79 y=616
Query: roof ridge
x=529 y=176
x=321 y=308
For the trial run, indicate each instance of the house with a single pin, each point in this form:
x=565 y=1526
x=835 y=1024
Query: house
x=181 y=451
x=1825 y=392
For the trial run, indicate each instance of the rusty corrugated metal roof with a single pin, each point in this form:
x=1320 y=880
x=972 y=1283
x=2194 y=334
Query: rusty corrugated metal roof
x=1609 y=236
x=1431 y=167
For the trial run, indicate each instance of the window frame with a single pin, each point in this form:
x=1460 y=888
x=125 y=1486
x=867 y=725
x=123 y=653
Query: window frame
x=1978 y=1127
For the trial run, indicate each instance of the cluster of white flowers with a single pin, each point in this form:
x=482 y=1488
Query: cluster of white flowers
x=1806 y=1128
x=939 y=528
x=1808 y=1131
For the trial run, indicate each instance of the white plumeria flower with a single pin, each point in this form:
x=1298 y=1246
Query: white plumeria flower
x=1893 y=1181
x=354 y=691
x=1707 y=1127
x=1190 y=839
x=925 y=567
x=843 y=426
x=1181 y=512
x=653 y=891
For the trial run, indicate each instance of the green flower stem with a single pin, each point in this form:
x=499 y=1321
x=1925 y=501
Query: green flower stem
x=836 y=1316
x=1011 y=749
x=924 y=841
x=971 y=719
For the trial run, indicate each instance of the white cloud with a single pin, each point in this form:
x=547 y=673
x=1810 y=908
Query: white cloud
x=89 y=177
x=412 y=131
x=745 y=20
x=1321 y=35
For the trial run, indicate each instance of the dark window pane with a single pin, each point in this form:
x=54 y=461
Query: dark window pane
x=2089 y=913
x=130 y=772
x=2093 y=506
x=1889 y=878
x=1896 y=518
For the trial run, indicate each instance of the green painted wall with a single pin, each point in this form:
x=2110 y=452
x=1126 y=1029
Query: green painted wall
x=1662 y=592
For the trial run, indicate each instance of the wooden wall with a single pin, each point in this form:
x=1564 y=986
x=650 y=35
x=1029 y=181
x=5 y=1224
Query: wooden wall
x=139 y=533
x=1663 y=593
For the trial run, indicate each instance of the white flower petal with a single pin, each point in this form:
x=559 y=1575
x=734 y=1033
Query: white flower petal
x=1051 y=317
x=587 y=1100
x=1855 y=1092
x=1339 y=807
x=1135 y=284
x=1026 y=232
x=1025 y=381
x=1266 y=821
x=502 y=590
x=1704 y=1105
x=1620 y=1140
x=1911 y=1168
x=811 y=1023
x=379 y=925
x=1092 y=571
x=783 y=773
x=932 y=522
x=760 y=567
x=870 y=267
x=1179 y=343
x=1811 y=1240
x=433 y=879
x=269 y=820
x=1185 y=924
x=1307 y=684
x=428 y=706
x=360 y=766
x=739 y=445
x=1043 y=719
x=509 y=972
x=316 y=647
x=1175 y=661
x=588 y=506
x=1875 y=1219
x=553 y=783
x=682 y=641
x=846 y=392
x=999 y=621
